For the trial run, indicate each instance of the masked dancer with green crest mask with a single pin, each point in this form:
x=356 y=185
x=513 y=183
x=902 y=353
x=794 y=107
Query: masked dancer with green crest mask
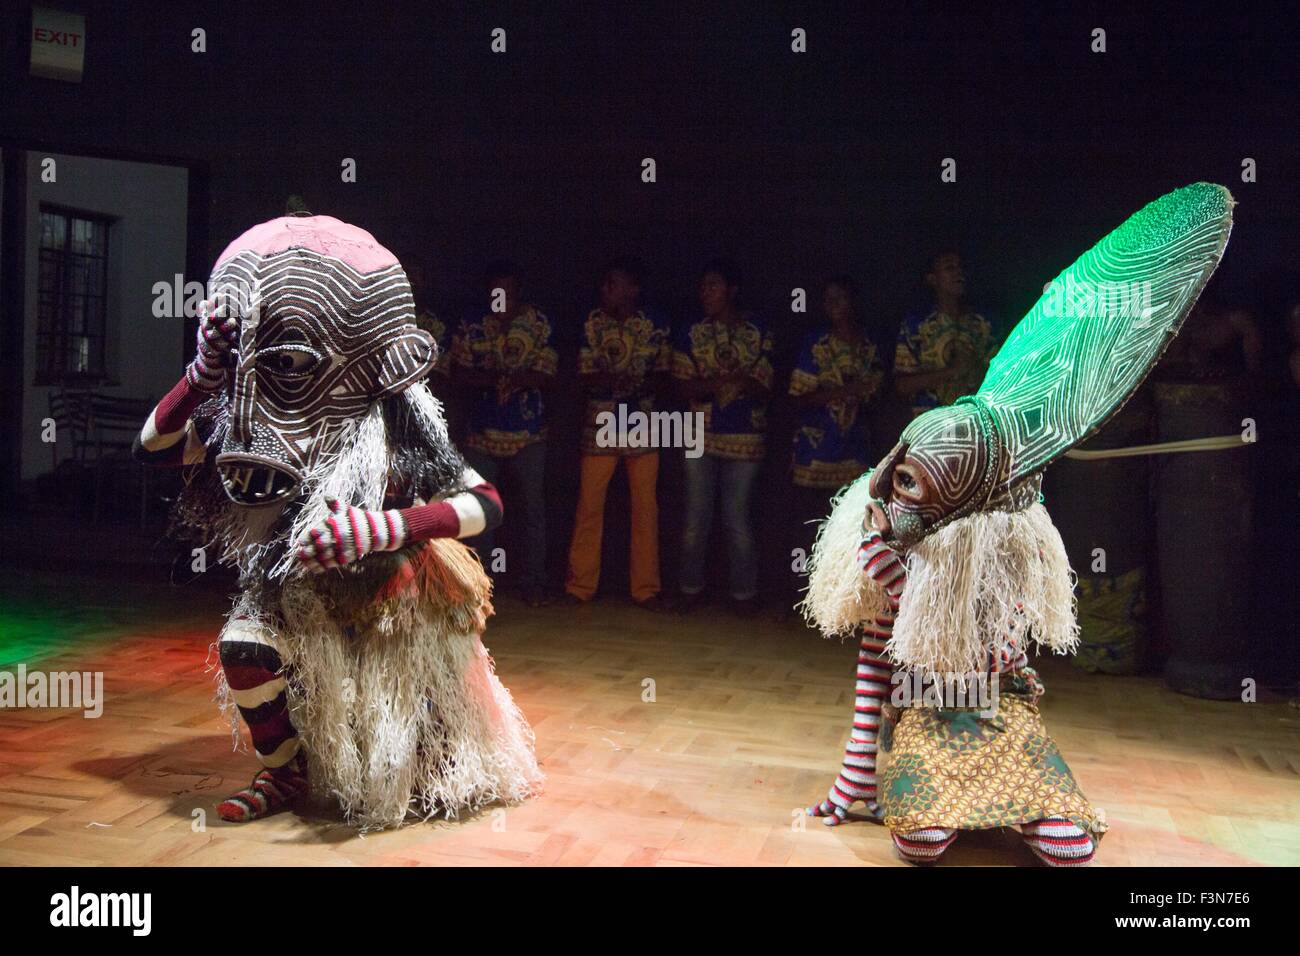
x=943 y=560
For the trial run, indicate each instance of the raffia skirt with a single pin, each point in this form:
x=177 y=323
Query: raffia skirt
x=956 y=769
x=392 y=692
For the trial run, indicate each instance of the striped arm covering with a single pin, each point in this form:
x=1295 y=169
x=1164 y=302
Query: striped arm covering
x=217 y=333
x=349 y=533
x=883 y=565
x=856 y=780
x=464 y=515
x=168 y=437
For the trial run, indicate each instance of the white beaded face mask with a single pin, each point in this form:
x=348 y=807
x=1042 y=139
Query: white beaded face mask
x=325 y=332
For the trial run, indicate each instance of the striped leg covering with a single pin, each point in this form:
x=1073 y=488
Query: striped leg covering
x=857 y=777
x=1058 y=842
x=923 y=846
x=253 y=670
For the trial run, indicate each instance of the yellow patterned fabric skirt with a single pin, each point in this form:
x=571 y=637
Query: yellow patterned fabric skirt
x=953 y=768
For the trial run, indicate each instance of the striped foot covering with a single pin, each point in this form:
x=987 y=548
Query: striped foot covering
x=923 y=846
x=1058 y=842
x=833 y=815
x=270 y=791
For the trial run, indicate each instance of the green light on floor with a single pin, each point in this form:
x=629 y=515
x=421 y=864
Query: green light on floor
x=29 y=632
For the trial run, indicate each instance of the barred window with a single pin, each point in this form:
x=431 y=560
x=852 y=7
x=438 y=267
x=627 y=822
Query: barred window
x=72 y=297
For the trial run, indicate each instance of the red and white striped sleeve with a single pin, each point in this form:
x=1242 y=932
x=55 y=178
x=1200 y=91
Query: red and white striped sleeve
x=168 y=436
x=463 y=515
x=883 y=565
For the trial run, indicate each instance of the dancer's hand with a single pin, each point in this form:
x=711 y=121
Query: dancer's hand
x=878 y=560
x=349 y=534
x=217 y=335
x=834 y=810
x=882 y=564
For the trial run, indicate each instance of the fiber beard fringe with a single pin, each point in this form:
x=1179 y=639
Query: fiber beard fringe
x=400 y=714
x=974 y=582
x=969 y=586
x=840 y=597
x=404 y=436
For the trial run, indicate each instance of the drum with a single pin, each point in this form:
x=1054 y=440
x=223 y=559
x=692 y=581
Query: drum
x=1204 y=504
x=1100 y=507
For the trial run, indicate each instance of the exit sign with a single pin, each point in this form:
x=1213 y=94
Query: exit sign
x=58 y=44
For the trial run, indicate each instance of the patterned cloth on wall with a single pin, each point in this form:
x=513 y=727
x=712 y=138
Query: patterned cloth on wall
x=1111 y=629
x=734 y=426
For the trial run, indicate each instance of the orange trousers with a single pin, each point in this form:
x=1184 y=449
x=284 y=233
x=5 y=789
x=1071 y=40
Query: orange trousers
x=589 y=525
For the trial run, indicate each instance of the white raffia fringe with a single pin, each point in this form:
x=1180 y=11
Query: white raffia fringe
x=840 y=597
x=404 y=718
x=222 y=694
x=428 y=411
x=972 y=583
x=969 y=585
x=357 y=473
x=353 y=467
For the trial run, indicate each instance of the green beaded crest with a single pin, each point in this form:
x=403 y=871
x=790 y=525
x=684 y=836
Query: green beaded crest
x=1103 y=323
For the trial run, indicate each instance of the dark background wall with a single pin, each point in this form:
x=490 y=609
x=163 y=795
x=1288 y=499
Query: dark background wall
x=797 y=165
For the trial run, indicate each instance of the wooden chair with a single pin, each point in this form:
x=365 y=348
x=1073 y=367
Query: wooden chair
x=96 y=429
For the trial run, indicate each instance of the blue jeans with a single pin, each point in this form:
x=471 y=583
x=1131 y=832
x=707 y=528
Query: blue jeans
x=705 y=477
x=525 y=471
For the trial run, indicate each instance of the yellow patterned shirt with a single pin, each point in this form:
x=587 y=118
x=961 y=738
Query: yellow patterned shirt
x=831 y=444
x=926 y=342
x=429 y=321
x=504 y=421
x=631 y=349
x=735 y=426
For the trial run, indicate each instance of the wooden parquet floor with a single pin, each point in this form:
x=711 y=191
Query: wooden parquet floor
x=745 y=728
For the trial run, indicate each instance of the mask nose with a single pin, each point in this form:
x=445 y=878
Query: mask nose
x=876 y=518
x=882 y=479
x=243 y=396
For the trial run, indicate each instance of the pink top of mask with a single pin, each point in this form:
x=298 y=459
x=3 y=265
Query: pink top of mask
x=323 y=234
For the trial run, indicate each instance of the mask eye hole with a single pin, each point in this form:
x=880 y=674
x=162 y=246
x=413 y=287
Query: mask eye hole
x=289 y=361
x=908 y=483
